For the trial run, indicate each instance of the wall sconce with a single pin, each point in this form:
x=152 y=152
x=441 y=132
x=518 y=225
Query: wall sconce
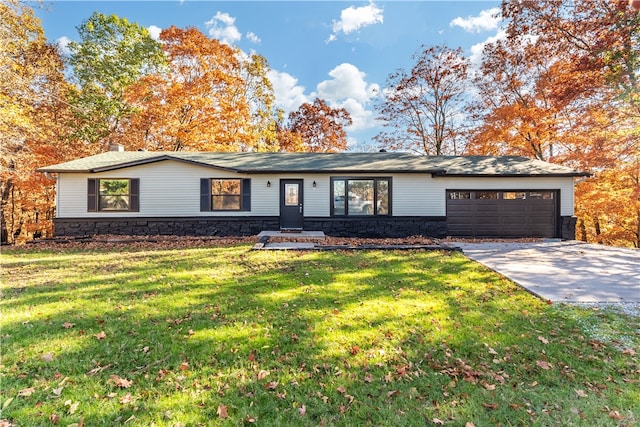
x=314 y=184
x=268 y=184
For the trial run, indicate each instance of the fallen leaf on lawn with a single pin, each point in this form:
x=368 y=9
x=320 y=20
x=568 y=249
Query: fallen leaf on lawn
x=121 y=382
x=489 y=387
x=54 y=418
x=111 y=395
x=73 y=408
x=543 y=365
x=615 y=415
x=101 y=335
x=575 y=411
x=250 y=419
x=437 y=421
x=262 y=374
x=629 y=352
x=492 y=351
x=543 y=340
x=581 y=393
x=58 y=391
x=145 y=349
x=368 y=378
x=26 y=392
x=354 y=350
x=341 y=390
x=184 y=366
x=392 y=393
x=302 y=410
x=223 y=411
x=271 y=386
x=490 y=405
x=68 y=325
x=47 y=357
x=469 y=424
x=126 y=399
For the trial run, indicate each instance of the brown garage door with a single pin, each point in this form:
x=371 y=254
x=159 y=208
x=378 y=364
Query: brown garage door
x=502 y=213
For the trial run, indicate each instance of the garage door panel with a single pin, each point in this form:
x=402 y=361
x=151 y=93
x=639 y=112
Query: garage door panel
x=520 y=216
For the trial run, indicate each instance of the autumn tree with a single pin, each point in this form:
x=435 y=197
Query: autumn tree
x=33 y=111
x=563 y=87
x=261 y=99
x=421 y=107
x=199 y=103
x=315 y=127
x=112 y=55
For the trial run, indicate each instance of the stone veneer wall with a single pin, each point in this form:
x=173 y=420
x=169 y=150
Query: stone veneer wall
x=232 y=226
x=568 y=227
x=247 y=226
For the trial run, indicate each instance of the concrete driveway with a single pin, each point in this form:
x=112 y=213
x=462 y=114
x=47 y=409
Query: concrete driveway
x=568 y=271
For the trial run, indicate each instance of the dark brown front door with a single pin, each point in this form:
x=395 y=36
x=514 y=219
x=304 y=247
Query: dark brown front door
x=291 y=204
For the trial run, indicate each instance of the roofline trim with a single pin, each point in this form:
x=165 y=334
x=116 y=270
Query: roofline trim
x=513 y=175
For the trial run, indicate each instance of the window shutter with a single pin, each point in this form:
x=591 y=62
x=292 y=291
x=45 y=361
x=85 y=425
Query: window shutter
x=246 y=194
x=92 y=196
x=205 y=194
x=134 y=195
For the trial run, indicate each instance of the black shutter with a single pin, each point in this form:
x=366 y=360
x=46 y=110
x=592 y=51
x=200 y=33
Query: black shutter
x=134 y=195
x=246 y=194
x=92 y=196
x=205 y=194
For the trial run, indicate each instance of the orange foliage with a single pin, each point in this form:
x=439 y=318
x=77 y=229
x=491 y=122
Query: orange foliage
x=198 y=105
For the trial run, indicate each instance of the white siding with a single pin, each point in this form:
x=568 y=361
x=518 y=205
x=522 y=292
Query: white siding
x=171 y=188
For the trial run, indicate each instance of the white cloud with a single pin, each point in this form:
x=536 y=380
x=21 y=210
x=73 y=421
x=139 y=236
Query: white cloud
x=354 y=18
x=348 y=82
x=476 y=49
x=154 y=32
x=349 y=90
x=253 y=38
x=487 y=20
x=289 y=95
x=222 y=27
x=63 y=45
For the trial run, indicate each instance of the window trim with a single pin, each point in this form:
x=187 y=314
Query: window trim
x=93 y=195
x=206 y=194
x=375 y=180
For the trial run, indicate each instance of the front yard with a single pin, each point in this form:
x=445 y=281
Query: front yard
x=228 y=336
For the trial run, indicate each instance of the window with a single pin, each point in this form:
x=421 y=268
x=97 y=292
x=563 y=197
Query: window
x=113 y=195
x=511 y=195
x=546 y=195
x=224 y=194
x=486 y=194
x=360 y=196
x=459 y=195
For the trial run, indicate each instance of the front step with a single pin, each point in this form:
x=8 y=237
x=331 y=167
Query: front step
x=288 y=240
x=284 y=235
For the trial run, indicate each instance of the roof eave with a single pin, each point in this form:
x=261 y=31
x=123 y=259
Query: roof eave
x=513 y=175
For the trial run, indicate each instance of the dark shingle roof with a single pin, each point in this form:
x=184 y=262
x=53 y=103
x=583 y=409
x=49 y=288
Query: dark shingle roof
x=255 y=163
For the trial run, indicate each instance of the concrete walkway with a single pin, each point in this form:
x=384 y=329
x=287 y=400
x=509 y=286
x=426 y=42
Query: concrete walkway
x=568 y=271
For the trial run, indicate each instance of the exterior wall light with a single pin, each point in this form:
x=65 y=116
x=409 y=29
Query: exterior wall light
x=268 y=184
x=314 y=184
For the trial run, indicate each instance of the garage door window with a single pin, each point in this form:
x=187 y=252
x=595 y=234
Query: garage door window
x=459 y=195
x=510 y=195
x=541 y=195
x=486 y=194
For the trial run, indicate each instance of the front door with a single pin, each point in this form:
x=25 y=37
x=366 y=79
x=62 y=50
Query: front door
x=291 y=204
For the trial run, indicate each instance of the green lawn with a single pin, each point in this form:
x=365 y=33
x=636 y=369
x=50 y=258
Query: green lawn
x=230 y=336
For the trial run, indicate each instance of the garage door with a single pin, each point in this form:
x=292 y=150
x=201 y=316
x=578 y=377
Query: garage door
x=502 y=213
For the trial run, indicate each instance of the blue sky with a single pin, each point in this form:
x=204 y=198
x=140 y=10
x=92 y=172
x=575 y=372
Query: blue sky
x=341 y=51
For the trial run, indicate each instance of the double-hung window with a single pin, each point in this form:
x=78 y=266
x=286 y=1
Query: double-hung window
x=225 y=194
x=360 y=196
